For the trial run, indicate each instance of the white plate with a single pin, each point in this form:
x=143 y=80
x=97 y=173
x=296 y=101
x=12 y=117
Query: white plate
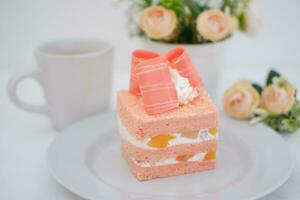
x=252 y=162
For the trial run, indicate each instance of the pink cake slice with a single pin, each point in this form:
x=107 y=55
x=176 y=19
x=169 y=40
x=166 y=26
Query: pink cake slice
x=148 y=173
x=199 y=114
x=154 y=155
x=161 y=145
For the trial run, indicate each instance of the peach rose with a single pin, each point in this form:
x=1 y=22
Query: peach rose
x=213 y=25
x=278 y=98
x=240 y=100
x=158 y=22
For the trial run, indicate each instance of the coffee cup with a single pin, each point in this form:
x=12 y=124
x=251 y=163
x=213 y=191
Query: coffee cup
x=75 y=75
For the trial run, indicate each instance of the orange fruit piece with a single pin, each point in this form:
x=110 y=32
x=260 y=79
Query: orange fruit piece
x=184 y=158
x=160 y=141
x=191 y=134
x=213 y=131
x=210 y=155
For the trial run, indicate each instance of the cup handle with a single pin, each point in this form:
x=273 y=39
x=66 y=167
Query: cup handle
x=12 y=93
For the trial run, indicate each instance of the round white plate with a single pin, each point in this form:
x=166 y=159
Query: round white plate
x=86 y=159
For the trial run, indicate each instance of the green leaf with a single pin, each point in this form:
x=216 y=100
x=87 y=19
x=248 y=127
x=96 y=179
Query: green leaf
x=257 y=87
x=290 y=125
x=193 y=7
x=295 y=110
x=283 y=123
x=148 y=3
x=257 y=119
x=175 y=5
x=242 y=22
x=272 y=74
x=275 y=121
x=237 y=7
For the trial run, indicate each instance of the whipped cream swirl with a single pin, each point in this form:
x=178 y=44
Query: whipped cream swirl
x=185 y=91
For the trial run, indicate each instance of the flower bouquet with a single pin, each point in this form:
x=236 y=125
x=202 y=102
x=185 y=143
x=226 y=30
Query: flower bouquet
x=202 y=27
x=274 y=104
x=192 y=21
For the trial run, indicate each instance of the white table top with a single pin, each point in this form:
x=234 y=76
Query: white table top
x=24 y=137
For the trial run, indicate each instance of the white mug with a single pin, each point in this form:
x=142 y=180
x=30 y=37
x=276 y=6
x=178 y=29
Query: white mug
x=75 y=75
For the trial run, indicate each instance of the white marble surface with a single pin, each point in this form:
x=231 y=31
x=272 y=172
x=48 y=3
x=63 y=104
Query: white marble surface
x=24 y=137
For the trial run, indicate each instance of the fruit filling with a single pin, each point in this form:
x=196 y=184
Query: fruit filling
x=210 y=156
x=160 y=141
x=184 y=158
x=213 y=131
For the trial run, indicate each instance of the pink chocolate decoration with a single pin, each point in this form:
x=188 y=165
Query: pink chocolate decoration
x=137 y=57
x=150 y=78
x=183 y=64
x=156 y=86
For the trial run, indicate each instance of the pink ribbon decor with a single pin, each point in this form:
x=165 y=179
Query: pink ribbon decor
x=150 y=78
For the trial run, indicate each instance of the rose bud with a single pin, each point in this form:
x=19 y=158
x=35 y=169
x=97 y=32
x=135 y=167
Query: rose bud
x=158 y=22
x=278 y=98
x=240 y=100
x=213 y=25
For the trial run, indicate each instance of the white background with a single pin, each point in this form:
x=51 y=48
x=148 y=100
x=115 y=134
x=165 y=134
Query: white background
x=24 y=137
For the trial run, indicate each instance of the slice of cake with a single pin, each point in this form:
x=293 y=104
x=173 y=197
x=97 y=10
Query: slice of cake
x=167 y=122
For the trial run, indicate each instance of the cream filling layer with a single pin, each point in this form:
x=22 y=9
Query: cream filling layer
x=203 y=135
x=171 y=161
x=185 y=91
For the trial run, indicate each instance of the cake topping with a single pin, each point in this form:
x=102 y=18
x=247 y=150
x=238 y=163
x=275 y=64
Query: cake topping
x=156 y=86
x=180 y=61
x=185 y=92
x=164 y=82
x=137 y=57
